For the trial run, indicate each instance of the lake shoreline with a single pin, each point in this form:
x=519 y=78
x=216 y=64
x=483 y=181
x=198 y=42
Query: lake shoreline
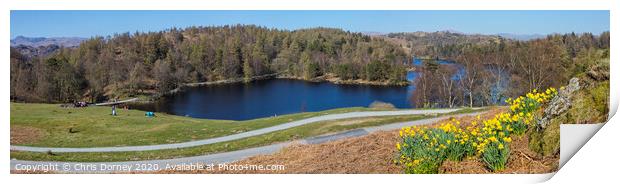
x=324 y=78
x=335 y=80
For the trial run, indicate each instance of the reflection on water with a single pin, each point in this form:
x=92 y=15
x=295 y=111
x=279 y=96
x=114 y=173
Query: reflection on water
x=272 y=97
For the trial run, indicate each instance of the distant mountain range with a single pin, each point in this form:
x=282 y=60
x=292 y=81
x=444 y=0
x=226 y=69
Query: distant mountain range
x=42 y=41
x=32 y=47
x=34 y=52
x=373 y=33
x=521 y=37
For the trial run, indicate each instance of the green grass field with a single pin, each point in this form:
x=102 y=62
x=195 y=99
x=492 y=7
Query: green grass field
x=125 y=128
x=295 y=133
x=95 y=127
x=94 y=121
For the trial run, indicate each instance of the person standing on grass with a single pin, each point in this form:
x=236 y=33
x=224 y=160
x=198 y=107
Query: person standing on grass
x=113 y=110
x=114 y=107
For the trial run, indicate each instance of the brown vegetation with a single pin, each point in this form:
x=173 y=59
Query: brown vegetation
x=25 y=135
x=375 y=153
x=485 y=73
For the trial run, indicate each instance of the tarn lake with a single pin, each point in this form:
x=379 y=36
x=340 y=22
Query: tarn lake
x=274 y=97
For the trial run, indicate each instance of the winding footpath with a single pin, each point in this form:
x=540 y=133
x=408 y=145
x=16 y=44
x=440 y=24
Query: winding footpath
x=234 y=136
x=192 y=163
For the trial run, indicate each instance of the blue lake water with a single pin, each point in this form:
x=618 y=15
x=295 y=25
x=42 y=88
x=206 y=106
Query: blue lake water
x=264 y=98
x=272 y=97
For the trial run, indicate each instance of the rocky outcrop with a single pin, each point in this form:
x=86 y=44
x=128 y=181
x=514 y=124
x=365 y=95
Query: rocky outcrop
x=560 y=103
x=599 y=73
x=585 y=100
x=381 y=105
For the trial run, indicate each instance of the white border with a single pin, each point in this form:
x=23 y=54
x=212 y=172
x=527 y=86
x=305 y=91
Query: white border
x=315 y=5
x=594 y=162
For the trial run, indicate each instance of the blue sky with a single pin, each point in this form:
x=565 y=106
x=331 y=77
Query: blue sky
x=103 y=23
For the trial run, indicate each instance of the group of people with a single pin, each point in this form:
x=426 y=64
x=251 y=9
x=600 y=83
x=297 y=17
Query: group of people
x=114 y=109
x=80 y=104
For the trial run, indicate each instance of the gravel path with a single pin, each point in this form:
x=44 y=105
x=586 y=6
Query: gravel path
x=205 y=160
x=235 y=136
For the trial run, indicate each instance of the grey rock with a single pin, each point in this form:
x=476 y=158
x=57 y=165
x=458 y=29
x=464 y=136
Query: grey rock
x=560 y=103
x=599 y=73
x=380 y=104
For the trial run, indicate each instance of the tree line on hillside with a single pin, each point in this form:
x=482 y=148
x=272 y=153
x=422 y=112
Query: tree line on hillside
x=442 y=44
x=487 y=73
x=156 y=62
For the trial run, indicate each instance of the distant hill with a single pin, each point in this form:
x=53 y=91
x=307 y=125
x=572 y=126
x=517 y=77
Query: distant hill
x=42 y=41
x=32 y=47
x=373 y=33
x=442 y=44
x=34 y=52
x=521 y=37
x=421 y=38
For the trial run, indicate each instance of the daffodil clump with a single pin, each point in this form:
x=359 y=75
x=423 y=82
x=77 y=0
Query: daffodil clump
x=423 y=149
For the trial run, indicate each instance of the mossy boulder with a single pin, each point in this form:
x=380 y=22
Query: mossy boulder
x=546 y=141
x=590 y=105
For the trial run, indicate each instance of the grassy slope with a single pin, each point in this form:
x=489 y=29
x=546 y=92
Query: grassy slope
x=96 y=127
x=266 y=139
x=590 y=104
